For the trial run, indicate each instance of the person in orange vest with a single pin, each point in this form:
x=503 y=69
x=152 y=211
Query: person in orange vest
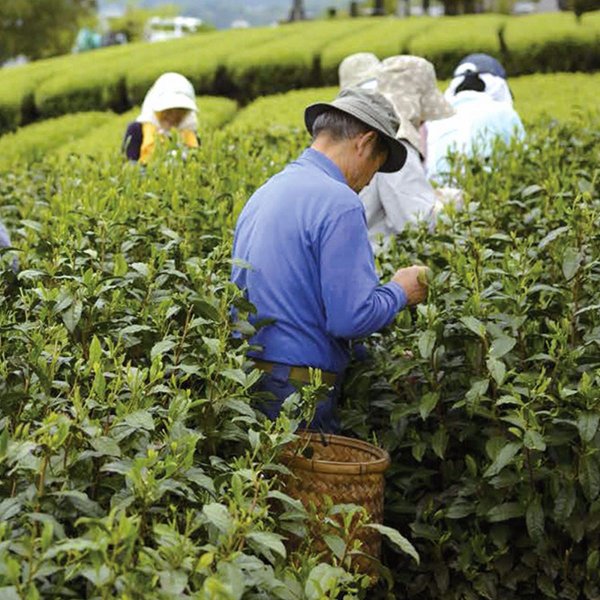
x=169 y=108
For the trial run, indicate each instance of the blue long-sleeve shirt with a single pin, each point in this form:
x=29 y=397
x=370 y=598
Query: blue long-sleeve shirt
x=304 y=235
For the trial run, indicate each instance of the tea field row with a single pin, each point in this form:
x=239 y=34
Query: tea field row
x=558 y=96
x=133 y=462
x=249 y=63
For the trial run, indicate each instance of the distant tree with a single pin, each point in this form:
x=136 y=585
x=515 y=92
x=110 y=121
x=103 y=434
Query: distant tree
x=298 y=13
x=379 y=7
x=582 y=6
x=383 y=7
x=41 y=28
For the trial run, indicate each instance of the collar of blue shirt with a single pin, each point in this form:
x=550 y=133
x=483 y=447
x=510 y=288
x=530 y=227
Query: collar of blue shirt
x=324 y=163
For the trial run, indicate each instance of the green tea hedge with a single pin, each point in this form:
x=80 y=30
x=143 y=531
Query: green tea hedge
x=558 y=96
x=547 y=43
x=134 y=465
x=383 y=36
x=247 y=63
x=93 y=133
x=34 y=142
x=488 y=396
x=447 y=41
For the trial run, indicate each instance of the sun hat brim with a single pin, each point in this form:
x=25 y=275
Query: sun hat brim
x=174 y=100
x=396 y=150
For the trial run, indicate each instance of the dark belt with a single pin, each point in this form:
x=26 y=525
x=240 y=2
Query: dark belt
x=301 y=374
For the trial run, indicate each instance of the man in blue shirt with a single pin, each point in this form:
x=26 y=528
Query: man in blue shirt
x=304 y=235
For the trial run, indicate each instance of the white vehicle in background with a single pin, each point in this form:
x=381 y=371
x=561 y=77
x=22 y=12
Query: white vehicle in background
x=170 y=28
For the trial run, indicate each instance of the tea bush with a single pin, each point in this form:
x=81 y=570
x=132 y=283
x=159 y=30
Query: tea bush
x=94 y=134
x=289 y=61
x=39 y=139
x=243 y=64
x=200 y=58
x=488 y=395
x=558 y=96
x=132 y=461
x=445 y=43
x=213 y=113
x=548 y=42
x=383 y=36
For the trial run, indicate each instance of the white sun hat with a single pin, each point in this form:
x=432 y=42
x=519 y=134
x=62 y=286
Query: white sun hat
x=172 y=90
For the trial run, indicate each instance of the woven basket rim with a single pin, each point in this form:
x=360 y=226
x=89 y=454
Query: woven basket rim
x=380 y=463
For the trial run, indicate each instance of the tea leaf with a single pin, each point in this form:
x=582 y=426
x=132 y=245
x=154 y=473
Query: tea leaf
x=9 y=507
x=505 y=512
x=336 y=544
x=571 y=263
x=397 y=539
x=587 y=424
x=439 y=442
x=428 y=403
x=162 y=347
x=593 y=561
x=106 y=446
x=218 y=515
x=140 y=419
x=530 y=190
x=72 y=315
x=173 y=582
x=534 y=440
x=460 y=508
x=501 y=346
x=497 y=370
x=95 y=353
x=589 y=477
x=474 y=325
x=427 y=343
x=141 y=268
x=534 y=518
x=236 y=375
x=97 y=576
x=550 y=237
x=503 y=458
x=322 y=579
x=564 y=503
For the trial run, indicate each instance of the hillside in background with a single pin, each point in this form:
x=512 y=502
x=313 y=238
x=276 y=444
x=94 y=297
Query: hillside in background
x=223 y=12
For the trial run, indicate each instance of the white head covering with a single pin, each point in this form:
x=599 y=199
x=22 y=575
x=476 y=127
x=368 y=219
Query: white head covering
x=359 y=70
x=495 y=87
x=170 y=90
x=410 y=83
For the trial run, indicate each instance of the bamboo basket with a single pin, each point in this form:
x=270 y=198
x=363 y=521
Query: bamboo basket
x=349 y=471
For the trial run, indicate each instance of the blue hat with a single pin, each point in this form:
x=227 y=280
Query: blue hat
x=480 y=63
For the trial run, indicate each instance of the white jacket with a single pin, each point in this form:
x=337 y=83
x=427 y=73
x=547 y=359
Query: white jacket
x=392 y=200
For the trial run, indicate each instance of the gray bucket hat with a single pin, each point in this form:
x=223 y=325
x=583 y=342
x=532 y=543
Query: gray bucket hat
x=372 y=109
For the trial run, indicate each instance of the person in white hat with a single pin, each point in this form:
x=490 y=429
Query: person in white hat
x=392 y=200
x=484 y=113
x=170 y=104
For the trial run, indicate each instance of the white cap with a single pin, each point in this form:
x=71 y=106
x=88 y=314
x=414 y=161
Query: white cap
x=172 y=90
